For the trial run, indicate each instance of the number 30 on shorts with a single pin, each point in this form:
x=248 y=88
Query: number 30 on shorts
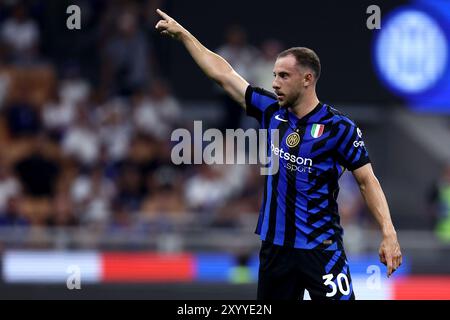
x=341 y=277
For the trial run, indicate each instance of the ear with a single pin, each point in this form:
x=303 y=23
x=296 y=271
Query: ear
x=308 y=79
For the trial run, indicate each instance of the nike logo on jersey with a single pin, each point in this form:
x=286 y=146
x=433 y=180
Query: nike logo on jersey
x=280 y=119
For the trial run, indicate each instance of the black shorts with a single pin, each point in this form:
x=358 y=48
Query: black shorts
x=285 y=273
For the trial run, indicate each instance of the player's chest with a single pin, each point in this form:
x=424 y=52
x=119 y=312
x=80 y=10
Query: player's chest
x=307 y=138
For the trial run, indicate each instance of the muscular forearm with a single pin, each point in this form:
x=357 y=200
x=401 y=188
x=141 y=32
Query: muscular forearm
x=390 y=253
x=213 y=65
x=377 y=204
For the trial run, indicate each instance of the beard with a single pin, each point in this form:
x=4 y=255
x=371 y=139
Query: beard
x=284 y=105
x=288 y=102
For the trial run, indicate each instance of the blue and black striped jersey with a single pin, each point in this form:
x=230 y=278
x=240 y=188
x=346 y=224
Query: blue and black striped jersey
x=299 y=207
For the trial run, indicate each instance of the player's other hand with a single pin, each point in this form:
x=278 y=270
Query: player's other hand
x=390 y=253
x=168 y=26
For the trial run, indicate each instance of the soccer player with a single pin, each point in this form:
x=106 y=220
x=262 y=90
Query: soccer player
x=299 y=222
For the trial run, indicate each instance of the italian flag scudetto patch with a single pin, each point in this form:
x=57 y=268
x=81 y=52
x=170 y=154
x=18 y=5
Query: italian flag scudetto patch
x=317 y=130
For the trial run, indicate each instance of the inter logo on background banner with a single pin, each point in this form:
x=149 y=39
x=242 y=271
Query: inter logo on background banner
x=317 y=130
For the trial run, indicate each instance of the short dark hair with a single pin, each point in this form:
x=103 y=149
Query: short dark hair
x=305 y=57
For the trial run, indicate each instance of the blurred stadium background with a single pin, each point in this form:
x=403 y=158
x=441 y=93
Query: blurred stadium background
x=86 y=181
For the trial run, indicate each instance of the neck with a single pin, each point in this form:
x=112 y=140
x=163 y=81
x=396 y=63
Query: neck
x=305 y=105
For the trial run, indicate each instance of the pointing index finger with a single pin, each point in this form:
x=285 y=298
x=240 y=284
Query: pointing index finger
x=164 y=15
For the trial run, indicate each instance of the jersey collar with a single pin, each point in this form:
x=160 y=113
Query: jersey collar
x=294 y=121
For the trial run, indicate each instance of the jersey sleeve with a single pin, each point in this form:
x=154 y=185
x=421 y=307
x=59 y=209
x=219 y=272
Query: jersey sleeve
x=260 y=104
x=352 y=152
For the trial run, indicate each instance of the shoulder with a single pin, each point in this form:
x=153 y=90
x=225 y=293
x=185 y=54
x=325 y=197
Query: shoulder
x=260 y=92
x=260 y=98
x=338 y=117
x=260 y=104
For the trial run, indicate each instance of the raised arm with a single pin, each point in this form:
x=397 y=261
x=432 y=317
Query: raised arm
x=213 y=65
x=372 y=193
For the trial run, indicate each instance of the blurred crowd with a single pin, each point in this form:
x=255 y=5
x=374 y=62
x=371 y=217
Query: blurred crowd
x=439 y=205
x=85 y=125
